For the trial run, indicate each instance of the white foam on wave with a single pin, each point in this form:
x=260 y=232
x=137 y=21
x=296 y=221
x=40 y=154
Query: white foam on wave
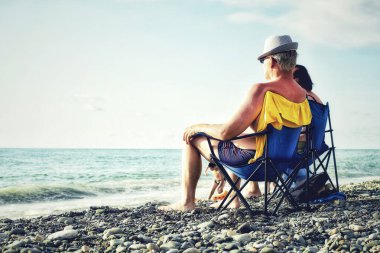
x=167 y=193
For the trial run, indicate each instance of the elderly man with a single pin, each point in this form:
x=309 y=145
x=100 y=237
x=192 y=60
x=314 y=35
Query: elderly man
x=278 y=59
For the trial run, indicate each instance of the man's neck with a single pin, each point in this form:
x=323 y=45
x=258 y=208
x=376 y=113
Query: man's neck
x=278 y=74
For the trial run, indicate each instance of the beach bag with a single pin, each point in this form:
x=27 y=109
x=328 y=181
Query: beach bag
x=316 y=187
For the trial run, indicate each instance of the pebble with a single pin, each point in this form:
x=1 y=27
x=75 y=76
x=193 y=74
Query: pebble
x=223 y=217
x=137 y=246
x=186 y=245
x=116 y=242
x=278 y=244
x=207 y=224
x=30 y=250
x=63 y=235
x=85 y=248
x=300 y=239
x=230 y=246
x=66 y=220
x=152 y=246
x=144 y=238
x=242 y=238
x=192 y=250
x=354 y=227
x=15 y=244
x=311 y=249
x=173 y=251
x=334 y=231
x=121 y=249
x=17 y=231
x=244 y=228
x=3 y=237
x=259 y=244
x=267 y=249
x=373 y=236
x=170 y=245
x=111 y=231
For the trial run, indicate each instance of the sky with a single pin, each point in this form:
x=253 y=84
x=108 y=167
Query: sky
x=136 y=73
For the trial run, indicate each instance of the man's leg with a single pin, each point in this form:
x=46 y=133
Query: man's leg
x=191 y=171
x=252 y=190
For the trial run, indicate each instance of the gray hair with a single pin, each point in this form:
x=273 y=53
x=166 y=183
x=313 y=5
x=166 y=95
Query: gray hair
x=287 y=60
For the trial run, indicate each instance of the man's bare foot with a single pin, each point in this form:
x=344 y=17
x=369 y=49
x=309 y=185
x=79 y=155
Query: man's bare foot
x=177 y=207
x=252 y=194
x=235 y=204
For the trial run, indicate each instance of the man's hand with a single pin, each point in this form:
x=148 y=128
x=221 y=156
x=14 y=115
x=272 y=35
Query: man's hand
x=189 y=133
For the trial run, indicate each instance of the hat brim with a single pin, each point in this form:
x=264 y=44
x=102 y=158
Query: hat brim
x=280 y=49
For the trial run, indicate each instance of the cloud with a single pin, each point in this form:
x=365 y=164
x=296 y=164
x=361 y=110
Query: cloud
x=339 y=23
x=91 y=102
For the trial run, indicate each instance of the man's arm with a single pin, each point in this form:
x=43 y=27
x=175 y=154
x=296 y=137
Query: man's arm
x=239 y=122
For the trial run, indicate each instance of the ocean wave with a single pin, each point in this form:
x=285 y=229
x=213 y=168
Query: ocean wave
x=30 y=194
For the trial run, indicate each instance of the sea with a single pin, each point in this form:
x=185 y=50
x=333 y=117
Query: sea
x=35 y=182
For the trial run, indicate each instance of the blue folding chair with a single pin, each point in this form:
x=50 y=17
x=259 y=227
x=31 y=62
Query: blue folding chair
x=316 y=154
x=320 y=151
x=279 y=151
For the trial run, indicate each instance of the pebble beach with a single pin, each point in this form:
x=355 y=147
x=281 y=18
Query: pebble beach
x=338 y=226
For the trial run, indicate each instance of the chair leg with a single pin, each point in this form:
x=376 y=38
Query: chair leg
x=233 y=186
x=226 y=197
x=286 y=190
x=266 y=187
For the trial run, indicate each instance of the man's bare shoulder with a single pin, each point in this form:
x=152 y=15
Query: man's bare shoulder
x=262 y=88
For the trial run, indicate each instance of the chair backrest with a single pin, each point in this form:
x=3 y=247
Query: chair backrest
x=318 y=124
x=282 y=143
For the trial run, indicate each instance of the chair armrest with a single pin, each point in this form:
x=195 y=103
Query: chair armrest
x=234 y=138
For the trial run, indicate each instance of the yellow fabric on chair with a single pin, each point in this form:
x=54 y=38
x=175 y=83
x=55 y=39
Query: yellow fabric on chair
x=279 y=112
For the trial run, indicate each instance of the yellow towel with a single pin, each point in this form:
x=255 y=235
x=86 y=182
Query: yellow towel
x=279 y=112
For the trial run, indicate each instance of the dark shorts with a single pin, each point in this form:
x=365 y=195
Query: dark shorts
x=232 y=155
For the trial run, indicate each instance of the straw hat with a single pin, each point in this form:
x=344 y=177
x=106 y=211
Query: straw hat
x=278 y=44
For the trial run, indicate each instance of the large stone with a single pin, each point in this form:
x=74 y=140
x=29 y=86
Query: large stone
x=144 y=238
x=230 y=246
x=244 y=228
x=223 y=217
x=30 y=250
x=186 y=245
x=300 y=239
x=66 y=220
x=85 y=248
x=334 y=231
x=3 y=237
x=152 y=246
x=278 y=244
x=192 y=250
x=116 y=242
x=173 y=251
x=170 y=245
x=267 y=249
x=373 y=236
x=63 y=235
x=356 y=228
x=15 y=245
x=207 y=224
x=111 y=231
x=242 y=238
x=121 y=249
x=259 y=244
x=311 y=249
x=137 y=246
x=17 y=231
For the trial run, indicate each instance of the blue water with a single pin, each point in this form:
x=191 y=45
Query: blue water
x=43 y=181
